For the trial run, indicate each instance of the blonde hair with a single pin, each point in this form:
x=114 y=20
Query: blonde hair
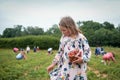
x=69 y=23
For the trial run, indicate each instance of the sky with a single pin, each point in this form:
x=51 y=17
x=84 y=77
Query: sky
x=45 y=13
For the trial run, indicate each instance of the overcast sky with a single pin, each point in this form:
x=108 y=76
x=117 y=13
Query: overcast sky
x=45 y=13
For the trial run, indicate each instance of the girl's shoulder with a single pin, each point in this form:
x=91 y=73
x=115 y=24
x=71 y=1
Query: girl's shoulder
x=80 y=35
x=63 y=38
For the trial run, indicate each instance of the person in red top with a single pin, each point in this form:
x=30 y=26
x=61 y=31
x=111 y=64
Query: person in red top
x=108 y=57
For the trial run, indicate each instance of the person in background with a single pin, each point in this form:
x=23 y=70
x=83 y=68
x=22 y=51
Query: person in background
x=97 y=51
x=27 y=49
x=49 y=50
x=72 y=39
x=38 y=49
x=107 y=57
x=102 y=51
x=34 y=49
x=20 y=54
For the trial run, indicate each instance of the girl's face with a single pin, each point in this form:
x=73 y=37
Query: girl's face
x=65 y=31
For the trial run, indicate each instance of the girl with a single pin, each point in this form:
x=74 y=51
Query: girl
x=71 y=39
x=108 y=56
x=20 y=55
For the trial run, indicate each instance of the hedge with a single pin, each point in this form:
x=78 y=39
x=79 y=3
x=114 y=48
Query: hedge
x=44 y=42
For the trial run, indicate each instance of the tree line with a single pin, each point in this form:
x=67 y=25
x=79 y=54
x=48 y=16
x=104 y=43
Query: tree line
x=105 y=34
x=101 y=34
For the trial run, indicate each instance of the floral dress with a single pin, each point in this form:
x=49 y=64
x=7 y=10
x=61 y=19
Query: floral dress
x=65 y=69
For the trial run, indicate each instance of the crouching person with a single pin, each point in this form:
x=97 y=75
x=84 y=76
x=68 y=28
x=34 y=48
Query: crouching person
x=108 y=57
x=49 y=50
x=20 y=54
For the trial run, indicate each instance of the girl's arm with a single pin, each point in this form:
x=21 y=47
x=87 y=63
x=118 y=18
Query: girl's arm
x=85 y=57
x=56 y=58
x=113 y=58
x=86 y=50
x=59 y=54
x=50 y=67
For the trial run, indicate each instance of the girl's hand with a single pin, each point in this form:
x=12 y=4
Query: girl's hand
x=79 y=60
x=49 y=68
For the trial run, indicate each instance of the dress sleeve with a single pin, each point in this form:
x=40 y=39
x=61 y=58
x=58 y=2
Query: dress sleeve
x=86 y=50
x=58 y=56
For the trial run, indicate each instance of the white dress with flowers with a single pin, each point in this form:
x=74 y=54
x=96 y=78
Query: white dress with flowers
x=66 y=70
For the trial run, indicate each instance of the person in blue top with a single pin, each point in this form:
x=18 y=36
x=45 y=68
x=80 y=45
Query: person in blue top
x=34 y=49
x=102 y=52
x=20 y=54
x=97 y=51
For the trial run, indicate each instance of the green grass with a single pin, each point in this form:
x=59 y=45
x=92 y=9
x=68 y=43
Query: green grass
x=99 y=71
x=34 y=68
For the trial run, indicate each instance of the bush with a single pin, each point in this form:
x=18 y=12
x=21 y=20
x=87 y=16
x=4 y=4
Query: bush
x=44 y=42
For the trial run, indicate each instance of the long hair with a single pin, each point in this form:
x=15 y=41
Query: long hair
x=69 y=23
x=113 y=54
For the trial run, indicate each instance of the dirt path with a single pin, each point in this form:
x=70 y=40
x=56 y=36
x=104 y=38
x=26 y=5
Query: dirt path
x=97 y=72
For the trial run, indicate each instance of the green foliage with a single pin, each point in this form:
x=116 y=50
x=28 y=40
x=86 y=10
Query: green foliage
x=33 y=30
x=44 y=42
x=8 y=32
x=54 y=30
x=100 y=34
x=109 y=26
x=19 y=30
x=103 y=34
x=34 y=67
x=99 y=71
